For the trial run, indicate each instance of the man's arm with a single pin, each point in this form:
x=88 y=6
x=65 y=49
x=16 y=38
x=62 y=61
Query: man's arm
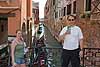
x=81 y=39
x=81 y=44
x=81 y=47
x=62 y=37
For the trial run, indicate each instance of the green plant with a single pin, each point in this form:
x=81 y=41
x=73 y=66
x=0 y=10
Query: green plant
x=86 y=15
x=93 y=23
x=83 y=16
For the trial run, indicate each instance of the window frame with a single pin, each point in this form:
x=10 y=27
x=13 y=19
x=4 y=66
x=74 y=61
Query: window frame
x=87 y=6
x=69 y=8
x=64 y=11
x=74 y=7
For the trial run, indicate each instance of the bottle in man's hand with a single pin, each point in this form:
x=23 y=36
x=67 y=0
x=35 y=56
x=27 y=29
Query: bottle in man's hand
x=68 y=29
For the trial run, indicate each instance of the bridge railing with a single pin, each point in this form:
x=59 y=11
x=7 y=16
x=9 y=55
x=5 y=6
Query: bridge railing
x=46 y=57
x=91 y=57
x=51 y=57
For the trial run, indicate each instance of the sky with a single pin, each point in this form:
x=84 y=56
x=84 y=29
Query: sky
x=41 y=7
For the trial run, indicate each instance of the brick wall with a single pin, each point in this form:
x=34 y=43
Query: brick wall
x=90 y=29
x=91 y=32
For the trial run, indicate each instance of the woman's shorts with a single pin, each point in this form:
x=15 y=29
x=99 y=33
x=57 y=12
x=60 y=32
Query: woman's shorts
x=20 y=61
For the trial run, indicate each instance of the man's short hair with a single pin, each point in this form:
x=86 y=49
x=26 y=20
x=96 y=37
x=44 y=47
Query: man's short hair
x=71 y=16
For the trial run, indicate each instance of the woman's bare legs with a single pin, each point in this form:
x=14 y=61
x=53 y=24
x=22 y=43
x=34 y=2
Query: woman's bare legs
x=23 y=65
x=17 y=65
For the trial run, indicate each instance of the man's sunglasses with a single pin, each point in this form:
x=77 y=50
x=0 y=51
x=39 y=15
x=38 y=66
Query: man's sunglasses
x=70 y=19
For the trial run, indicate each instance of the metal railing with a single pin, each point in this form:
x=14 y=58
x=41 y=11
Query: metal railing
x=51 y=57
x=91 y=57
x=46 y=57
x=4 y=57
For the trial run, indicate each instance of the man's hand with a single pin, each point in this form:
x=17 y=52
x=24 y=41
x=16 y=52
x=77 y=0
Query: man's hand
x=81 y=53
x=62 y=37
x=67 y=32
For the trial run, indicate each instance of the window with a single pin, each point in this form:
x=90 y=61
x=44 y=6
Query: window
x=56 y=14
x=53 y=2
x=2 y=28
x=74 y=7
x=33 y=11
x=28 y=25
x=37 y=11
x=4 y=24
x=59 y=13
x=64 y=11
x=45 y=17
x=68 y=9
x=38 y=18
x=88 y=5
x=46 y=7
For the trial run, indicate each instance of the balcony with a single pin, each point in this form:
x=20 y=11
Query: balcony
x=3 y=0
x=6 y=1
x=8 y=9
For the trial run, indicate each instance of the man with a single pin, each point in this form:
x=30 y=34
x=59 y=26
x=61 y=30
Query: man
x=72 y=38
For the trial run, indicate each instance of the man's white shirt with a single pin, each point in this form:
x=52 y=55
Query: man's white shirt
x=71 y=40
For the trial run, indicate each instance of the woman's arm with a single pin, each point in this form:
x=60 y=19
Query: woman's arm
x=12 y=51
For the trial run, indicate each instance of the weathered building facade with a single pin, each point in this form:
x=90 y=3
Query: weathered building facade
x=18 y=15
x=87 y=17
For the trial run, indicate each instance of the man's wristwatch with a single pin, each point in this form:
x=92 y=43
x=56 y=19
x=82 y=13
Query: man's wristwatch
x=81 y=49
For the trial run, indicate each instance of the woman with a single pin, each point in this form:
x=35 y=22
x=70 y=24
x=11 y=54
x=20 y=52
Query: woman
x=17 y=50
